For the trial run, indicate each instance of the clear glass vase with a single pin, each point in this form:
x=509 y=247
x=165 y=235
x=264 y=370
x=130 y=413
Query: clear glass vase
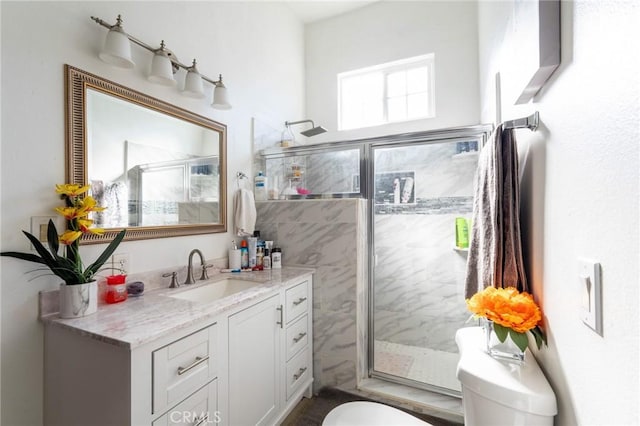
x=504 y=351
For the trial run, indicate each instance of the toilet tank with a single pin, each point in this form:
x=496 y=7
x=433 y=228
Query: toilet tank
x=501 y=393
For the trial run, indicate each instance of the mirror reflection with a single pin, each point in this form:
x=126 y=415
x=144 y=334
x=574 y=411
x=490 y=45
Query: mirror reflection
x=158 y=169
x=147 y=168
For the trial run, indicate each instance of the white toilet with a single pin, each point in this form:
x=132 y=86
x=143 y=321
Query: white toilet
x=500 y=393
x=365 y=413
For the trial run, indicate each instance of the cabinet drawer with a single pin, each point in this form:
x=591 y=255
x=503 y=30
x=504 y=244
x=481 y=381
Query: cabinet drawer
x=297 y=336
x=298 y=371
x=296 y=301
x=199 y=409
x=182 y=367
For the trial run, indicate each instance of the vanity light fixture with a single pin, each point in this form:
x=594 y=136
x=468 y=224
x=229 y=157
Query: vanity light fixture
x=161 y=67
x=193 y=86
x=117 y=51
x=220 y=95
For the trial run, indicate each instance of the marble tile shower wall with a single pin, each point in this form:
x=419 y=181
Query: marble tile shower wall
x=334 y=172
x=419 y=281
x=327 y=235
x=419 y=278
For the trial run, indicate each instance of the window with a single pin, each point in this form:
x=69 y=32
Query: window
x=386 y=93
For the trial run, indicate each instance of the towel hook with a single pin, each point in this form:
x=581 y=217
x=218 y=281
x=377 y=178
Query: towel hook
x=240 y=176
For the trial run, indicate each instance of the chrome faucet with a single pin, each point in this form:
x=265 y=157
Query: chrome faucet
x=190 y=279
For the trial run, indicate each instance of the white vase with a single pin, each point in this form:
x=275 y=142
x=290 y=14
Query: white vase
x=78 y=300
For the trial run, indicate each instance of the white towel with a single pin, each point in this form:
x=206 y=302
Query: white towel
x=244 y=213
x=495 y=252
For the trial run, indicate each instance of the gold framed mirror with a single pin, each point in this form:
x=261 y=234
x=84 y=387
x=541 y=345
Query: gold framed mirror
x=159 y=169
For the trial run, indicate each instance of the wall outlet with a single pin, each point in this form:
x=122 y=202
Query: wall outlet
x=120 y=263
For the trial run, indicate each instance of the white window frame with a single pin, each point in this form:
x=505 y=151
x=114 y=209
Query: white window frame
x=427 y=60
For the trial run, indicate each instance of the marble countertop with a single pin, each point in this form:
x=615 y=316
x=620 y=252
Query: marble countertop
x=140 y=320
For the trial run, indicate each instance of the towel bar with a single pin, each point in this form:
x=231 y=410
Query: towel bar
x=531 y=122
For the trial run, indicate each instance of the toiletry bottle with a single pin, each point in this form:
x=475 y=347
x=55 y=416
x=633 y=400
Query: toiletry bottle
x=235 y=257
x=396 y=191
x=260 y=249
x=244 y=255
x=253 y=245
x=406 y=191
x=259 y=258
x=266 y=261
x=260 y=187
x=462 y=233
x=276 y=258
x=274 y=191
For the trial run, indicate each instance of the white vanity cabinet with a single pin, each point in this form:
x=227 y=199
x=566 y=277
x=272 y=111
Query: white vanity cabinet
x=297 y=340
x=254 y=358
x=270 y=357
x=245 y=365
x=170 y=382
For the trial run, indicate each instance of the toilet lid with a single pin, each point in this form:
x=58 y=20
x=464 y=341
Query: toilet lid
x=365 y=413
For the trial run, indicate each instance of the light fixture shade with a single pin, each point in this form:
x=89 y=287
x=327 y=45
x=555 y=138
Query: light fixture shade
x=193 y=86
x=117 y=49
x=220 y=100
x=161 y=70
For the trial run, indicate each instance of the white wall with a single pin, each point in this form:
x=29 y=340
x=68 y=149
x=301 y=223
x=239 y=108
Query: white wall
x=252 y=44
x=580 y=199
x=389 y=31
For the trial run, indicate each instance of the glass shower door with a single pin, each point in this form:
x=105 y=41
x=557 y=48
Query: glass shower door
x=417 y=277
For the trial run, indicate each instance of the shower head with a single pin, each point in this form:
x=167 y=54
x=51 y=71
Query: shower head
x=313 y=131
x=309 y=132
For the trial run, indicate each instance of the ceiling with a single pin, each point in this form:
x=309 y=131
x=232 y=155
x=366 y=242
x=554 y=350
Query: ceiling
x=311 y=11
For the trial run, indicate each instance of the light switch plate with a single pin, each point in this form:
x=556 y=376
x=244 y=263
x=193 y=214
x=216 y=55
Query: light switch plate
x=590 y=284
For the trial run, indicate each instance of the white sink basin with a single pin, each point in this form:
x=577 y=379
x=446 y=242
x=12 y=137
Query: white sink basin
x=215 y=291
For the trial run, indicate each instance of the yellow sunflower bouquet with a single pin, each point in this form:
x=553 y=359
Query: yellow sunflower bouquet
x=512 y=313
x=76 y=212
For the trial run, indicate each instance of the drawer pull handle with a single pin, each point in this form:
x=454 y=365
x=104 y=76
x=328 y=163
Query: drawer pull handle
x=299 y=373
x=281 y=322
x=299 y=301
x=201 y=421
x=197 y=362
x=300 y=336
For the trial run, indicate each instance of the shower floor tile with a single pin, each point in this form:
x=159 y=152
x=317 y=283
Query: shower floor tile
x=424 y=365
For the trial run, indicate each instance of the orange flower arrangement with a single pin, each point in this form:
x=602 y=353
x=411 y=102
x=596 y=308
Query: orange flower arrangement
x=513 y=313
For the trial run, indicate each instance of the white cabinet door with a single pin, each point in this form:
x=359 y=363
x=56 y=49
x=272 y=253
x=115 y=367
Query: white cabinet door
x=254 y=356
